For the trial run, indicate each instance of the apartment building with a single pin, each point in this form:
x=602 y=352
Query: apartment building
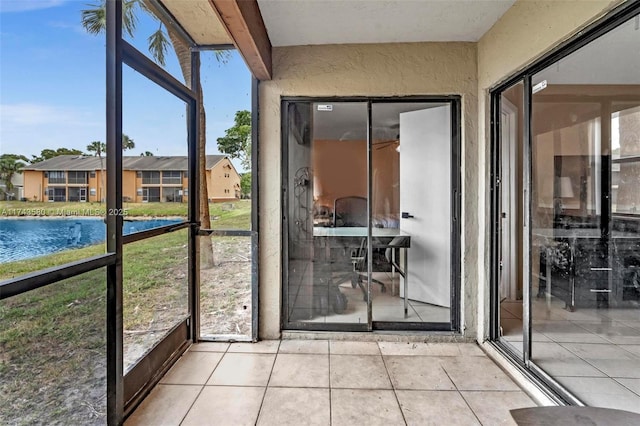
x=144 y=179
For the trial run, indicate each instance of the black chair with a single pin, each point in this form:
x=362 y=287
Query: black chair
x=352 y=212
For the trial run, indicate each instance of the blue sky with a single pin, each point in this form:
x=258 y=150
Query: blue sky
x=52 y=85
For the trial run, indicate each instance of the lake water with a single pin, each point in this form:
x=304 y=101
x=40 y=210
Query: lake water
x=28 y=238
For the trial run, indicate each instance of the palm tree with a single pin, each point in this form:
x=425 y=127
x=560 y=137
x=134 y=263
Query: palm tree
x=10 y=164
x=98 y=148
x=94 y=21
x=127 y=143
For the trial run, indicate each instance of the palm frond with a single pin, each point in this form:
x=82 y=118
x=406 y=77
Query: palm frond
x=129 y=17
x=127 y=142
x=222 y=56
x=95 y=20
x=158 y=46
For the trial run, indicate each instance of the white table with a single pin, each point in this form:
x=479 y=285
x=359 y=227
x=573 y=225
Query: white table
x=362 y=232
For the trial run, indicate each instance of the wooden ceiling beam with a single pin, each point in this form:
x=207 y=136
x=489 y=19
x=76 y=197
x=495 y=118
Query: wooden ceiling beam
x=243 y=21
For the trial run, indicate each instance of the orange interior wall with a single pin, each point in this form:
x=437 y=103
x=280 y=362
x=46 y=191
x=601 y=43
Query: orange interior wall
x=340 y=170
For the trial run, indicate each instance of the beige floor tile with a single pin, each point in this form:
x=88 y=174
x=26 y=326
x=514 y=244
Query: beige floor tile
x=240 y=369
x=477 y=374
x=358 y=372
x=470 y=349
x=429 y=313
x=623 y=368
x=301 y=370
x=165 y=405
x=226 y=405
x=632 y=349
x=589 y=351
x=364 y=407
x=593 y=385
x=443 y=349
x=209 y=347
x=395 y=314
x=320 y=347
x=418 y=373
x=404 y=348
x=295 y=406
x=337 y=347
x=492 y=408
x=350 y=316
x=194 y=368
x=261 y=347
x=435 y=408
x=631 y=384
x=558 y=361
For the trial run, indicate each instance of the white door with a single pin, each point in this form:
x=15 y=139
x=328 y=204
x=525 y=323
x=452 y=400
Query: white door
x=425 y=194
x=508 y=211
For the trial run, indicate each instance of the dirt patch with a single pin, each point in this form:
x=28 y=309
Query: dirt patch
x=225 y=289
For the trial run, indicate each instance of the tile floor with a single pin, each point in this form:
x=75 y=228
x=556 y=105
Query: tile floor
x=594 y=353
x=387 y=306
x=309 y=382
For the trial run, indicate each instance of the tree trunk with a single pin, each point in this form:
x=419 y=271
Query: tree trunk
x=207 y=259
x=184 y=59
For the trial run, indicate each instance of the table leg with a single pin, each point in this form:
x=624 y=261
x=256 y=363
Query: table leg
x=393 y=271
x=406 y=283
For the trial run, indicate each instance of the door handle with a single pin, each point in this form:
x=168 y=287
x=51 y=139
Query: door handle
x=406 y=215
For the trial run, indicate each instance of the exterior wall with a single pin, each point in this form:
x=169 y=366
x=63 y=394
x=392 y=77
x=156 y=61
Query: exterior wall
x=526 y=31
x=368 y=70
x=94 y=182
x=34 y=184
x=219 y=186
x=129 y=186
x=97 y=183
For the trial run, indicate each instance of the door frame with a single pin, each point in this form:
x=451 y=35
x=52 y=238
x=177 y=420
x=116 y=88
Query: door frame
x=455 y=225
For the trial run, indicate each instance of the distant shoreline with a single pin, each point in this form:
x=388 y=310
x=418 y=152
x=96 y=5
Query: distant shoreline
x=71 y=216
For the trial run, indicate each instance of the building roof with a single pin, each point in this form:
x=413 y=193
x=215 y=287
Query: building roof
x=91 y=163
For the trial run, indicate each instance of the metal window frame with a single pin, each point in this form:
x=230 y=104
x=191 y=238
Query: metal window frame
x=454 y=325
x=124 y=392
x=597 y=29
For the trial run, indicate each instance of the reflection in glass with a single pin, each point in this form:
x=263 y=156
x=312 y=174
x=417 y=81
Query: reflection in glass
x=155 y=291
x=585 y=229
x=510 y=210
x=53 y=353
x=327 y=212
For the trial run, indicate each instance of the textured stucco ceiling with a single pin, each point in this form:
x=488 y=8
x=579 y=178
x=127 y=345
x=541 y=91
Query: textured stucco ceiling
x=304 y=22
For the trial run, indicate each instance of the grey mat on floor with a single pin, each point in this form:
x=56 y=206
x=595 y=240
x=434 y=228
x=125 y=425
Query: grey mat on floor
x=565 y=416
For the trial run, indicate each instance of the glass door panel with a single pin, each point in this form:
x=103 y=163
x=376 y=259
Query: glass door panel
x=584 y=190
x=510 y=276
x=326 y=216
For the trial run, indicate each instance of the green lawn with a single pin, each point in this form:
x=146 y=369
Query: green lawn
x=52 y=340
x=232 y=214
x=236 y=215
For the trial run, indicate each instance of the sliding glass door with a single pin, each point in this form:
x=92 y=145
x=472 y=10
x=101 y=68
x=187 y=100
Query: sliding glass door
x=370 y=214
x=574 y=156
